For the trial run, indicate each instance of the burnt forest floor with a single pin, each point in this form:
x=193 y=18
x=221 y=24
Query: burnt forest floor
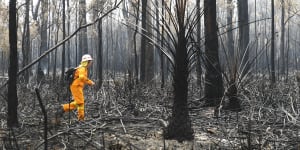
x=120 y=116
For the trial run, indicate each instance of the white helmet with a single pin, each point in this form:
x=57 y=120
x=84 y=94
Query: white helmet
x=86 y=57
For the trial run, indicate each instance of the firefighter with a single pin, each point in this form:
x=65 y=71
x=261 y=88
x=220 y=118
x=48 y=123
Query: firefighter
x=80 y=80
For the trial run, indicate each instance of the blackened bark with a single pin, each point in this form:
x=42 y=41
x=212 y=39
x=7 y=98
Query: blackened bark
x=26 y=50
x=180 y=127
x=44 y=40
x=282 y=39
x=68 y=33
x=162 y=60
x=149 y=53
x=234 y=102
x=64 y=45
x=143 y=42
x=230 y=42
x=243 y=36
x=213 y=90
x=100 y=55
x=83 y=46
x=198 y=68
x=273 y=80
x=12 y=114
x=136 y=66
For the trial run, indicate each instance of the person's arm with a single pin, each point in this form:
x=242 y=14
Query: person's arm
x=83 y=76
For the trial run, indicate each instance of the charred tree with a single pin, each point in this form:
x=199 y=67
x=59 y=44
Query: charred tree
x=231 y=93
x=12 y=102
x=282 y=39
x=199 y=68
x=42 y=66
x=273 y=80
x=213 y=88
x=63 y=56
x=136 y=63
x=26 y=48
x=147 y=49
x=143 y=42
x=180 y=127
x=100 y=55
x=243 y=37
x=162 y=59
x=230 y=42
x=83 y=44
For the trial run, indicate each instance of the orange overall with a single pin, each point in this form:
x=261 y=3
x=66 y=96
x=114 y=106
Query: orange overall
x=80 y=79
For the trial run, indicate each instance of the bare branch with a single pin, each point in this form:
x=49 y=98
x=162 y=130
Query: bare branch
x=63 y=41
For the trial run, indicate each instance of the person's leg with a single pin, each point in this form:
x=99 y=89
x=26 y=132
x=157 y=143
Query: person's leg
x=77 y=92
x=80 y=109
x=79 y=99
x=69 y=107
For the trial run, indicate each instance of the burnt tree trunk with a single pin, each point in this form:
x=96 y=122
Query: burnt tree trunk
x=64 y=45
x=26 y=50
x=42 y=65
x=12 y=102
x=100 y=55
x=213 y=88
x=243 y=36
x=83 y=44
x=282 y=40
x=198 y=68
x=234 y=102
x=136 y=64
x=180 y=127
x=273 y=79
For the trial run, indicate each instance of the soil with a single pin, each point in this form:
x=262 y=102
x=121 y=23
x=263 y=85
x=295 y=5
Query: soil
x=118 y=118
